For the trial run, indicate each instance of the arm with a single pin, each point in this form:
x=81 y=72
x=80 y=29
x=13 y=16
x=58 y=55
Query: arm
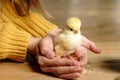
x=13 y=42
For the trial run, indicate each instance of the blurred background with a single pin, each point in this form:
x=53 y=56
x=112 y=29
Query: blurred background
x=100 y=18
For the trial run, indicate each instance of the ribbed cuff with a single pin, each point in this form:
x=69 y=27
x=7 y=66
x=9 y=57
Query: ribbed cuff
x=13 y=43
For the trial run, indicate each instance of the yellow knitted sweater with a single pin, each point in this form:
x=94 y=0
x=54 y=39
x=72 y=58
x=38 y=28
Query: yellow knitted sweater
x=15 y=32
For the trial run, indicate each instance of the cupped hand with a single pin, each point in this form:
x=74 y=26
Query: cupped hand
x=81 y=52
x=43 y=50
x=64 y=67
x=61 y=67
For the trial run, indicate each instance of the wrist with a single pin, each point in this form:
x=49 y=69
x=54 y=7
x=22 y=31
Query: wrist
x=33 y=45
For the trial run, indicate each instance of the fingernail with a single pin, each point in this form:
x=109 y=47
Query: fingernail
x=98 y=51
x=50 y=54
x=45 y=52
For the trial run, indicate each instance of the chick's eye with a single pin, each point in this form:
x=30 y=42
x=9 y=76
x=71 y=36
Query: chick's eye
x=71 y=29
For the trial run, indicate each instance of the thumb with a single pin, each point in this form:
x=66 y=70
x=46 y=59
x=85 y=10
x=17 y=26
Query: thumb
x=46 y=47
x=47 y=52
x=90 y=45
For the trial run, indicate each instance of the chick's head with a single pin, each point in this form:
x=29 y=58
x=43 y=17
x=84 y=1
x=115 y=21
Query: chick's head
x=73 y=24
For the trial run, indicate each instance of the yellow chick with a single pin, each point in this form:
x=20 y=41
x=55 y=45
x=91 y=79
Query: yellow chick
x=69 y=39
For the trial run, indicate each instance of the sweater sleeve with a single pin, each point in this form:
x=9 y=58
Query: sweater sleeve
x=13 y=43
x=34 y=23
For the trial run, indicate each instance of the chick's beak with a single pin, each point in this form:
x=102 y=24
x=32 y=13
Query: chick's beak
x=75 y=31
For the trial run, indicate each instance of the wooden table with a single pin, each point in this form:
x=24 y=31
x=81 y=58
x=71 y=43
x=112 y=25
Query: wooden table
x=105 y=66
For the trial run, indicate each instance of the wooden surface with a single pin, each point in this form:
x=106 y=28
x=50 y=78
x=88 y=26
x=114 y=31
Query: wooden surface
x=100 y=23
x=105 y=66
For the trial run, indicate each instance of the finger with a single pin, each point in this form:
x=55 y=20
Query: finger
x=90 y=45
x=83 y=60
x=62 y=70
x=80 y=51
x=46 y=47
x=43 y=61
x=81 y=55
x=48 y=52
x=70 y=75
